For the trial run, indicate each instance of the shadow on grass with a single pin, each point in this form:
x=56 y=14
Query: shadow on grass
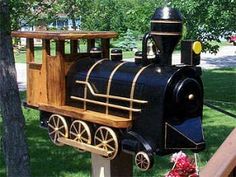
x=220 y=88
x=214 y=136
x=50 y=160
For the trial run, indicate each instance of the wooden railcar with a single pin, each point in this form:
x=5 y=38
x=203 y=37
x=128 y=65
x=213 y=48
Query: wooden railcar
x=46 y=87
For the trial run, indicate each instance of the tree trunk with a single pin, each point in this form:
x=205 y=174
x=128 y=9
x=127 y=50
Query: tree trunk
x=14 y=141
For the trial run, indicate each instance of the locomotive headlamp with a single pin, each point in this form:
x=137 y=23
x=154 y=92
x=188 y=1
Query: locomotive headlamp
x=197 y=47
x=191 y=96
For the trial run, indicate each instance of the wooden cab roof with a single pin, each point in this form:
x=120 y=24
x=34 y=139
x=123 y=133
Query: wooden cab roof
x=63 y=35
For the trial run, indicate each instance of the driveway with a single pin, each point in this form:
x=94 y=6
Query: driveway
x=226 y=57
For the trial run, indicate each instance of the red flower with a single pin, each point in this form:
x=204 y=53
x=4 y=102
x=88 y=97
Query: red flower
x=173 y=173
x=183 y=167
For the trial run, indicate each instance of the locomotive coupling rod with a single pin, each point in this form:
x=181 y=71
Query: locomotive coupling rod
x=83 y=146
x=109 y=96
x=106 y=104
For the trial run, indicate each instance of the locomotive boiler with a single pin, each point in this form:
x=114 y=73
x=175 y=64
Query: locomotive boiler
x=147 y=107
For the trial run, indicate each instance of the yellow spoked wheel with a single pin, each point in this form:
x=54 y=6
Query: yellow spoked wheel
x=79 y=131
x=57 y=128
x=143 y=161
x=106 y=139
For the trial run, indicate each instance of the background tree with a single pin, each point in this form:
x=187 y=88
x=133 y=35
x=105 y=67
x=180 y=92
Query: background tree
x=14 y=141
x=208 y=20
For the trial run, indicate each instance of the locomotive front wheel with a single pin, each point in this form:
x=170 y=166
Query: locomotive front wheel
x=144 y=161
x=106 y=138
x=57 y=128
x=80 y=132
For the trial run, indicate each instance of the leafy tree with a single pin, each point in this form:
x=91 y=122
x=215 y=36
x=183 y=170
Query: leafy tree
x=13 y=141
x=208 y=20
x=31 y=13
x=127 y=42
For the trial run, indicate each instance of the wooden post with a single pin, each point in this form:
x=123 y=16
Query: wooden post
x=105 y=48
x=74 y=47
x=55 y=73
x=119 y=167
x=29 y=50
x=90 y=44
x=223 y=161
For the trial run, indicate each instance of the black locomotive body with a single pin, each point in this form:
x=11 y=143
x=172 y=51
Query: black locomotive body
x=164 y=102
x=168 y=114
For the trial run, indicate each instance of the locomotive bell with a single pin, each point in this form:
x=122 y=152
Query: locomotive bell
x=166 y=31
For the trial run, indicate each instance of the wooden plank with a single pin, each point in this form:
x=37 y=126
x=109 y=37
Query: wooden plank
x=74 y=47
x=121 y=166
x=33 y=80
x=83 y=146
x=90 y=116
x=45 y=48
x=29 y=50
x=90 y=44
x=105 y=48
x=63 y=35
x=233 y=173
x=43 y=83
x=55 y=72
x=223 y=161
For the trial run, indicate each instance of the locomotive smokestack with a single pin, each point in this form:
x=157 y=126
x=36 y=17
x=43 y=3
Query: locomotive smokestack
x=166 y=31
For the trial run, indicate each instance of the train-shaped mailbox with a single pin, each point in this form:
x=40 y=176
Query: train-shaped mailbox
x=93 y=103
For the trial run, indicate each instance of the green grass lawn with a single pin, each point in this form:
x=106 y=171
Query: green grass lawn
x=20 y=56
x=48 y=160
x=220 y=88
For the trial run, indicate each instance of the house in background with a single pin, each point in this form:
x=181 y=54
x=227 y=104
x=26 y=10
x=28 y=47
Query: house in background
x=64 y=23
x=61 y=23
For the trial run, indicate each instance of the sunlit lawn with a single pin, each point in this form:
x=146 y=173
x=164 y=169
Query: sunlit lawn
x=220 y=88
x=20 y=56
x=48 y=160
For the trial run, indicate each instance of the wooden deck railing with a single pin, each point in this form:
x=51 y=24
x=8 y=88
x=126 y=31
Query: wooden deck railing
x=223 y=162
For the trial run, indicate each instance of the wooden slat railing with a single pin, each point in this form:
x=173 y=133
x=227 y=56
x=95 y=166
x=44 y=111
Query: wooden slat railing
x=223 y=162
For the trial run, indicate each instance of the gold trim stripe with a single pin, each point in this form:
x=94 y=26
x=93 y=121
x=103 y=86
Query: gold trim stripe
x=109 y=83
x=114 y=54
x=95 y=51
x=108 y=96
x=166 y=33
x=105 y=104
x=166 y=21
x=87 y=78
x=133 y=87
